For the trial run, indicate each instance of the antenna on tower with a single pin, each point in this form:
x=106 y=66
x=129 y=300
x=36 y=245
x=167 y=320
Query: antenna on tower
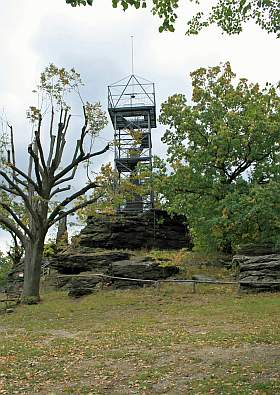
x=132 y=55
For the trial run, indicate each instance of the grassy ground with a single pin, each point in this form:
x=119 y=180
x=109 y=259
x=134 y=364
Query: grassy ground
x=151 y=341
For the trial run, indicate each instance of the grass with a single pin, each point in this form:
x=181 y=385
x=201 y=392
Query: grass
x=144 y=341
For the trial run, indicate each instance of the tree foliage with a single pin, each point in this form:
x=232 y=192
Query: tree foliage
x=113 y=192
x=224 y=154
x=229 y=15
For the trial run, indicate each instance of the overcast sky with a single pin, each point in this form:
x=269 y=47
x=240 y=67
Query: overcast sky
x=96 y=42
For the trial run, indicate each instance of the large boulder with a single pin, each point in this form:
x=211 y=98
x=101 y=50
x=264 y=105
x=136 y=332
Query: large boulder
x=258 y=273
x=82 y=285
x=150 y=229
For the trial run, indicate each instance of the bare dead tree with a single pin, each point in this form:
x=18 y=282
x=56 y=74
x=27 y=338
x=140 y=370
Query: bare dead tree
x=44 y=180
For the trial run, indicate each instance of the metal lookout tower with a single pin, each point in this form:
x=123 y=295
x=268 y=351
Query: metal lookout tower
x=132 y=108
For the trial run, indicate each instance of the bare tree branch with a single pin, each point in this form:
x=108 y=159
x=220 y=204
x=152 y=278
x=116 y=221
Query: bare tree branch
x=63 y=141
x=69 y=199
x=12 y=146
x=52 y=143
x=10 y=225
x=19 y=193
x=62 y=145
x=14 y=239
x=59 y=143
x=91 y=155
x=58 y=190
x=74 y=209
x=65 y=119
x=67 y=124
x=79 y=160
x=9 y=190
x=35 y=158
x=84 y=132
x=61 y=114
x=16 y=218
x=21 y=173
x=51 y=123
x=74 y=169
x=39 y=145
x=19 y=181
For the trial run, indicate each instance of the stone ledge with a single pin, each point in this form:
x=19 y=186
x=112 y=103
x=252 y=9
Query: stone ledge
x=258 y=273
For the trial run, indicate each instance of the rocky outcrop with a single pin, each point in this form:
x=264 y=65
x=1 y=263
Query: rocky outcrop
x=142 y=269
x=99 y=262
x=258 y=273
x=108 y=245
x=86 y=283
x=257 y=249
x=151 y=229
x=78 y=273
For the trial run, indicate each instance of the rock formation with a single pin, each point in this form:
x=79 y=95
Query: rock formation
x=108 y=245
x=80 y=276
x=259 y=268
x=150 y=229
x=92 y=261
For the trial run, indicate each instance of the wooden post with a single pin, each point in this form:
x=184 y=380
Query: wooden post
x=238 y=289
x=194 y=287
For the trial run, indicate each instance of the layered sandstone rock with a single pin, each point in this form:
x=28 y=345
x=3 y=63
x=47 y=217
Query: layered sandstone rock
x=85 y=281
x=151 y=229
x=259 y=268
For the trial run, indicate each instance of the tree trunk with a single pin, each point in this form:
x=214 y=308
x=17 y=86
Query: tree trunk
x=32 y=268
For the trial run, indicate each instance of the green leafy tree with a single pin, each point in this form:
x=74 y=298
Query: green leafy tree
x=224 y=155
x=229 y=15
x=113 y=192
x=38 y=187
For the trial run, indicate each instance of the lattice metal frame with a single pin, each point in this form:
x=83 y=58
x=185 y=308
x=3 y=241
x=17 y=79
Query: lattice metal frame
x=132 y=109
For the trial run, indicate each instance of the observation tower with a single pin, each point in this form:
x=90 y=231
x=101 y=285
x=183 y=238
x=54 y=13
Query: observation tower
x=132 y=109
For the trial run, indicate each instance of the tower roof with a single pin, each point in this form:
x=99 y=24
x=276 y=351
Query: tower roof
x=131 y=91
